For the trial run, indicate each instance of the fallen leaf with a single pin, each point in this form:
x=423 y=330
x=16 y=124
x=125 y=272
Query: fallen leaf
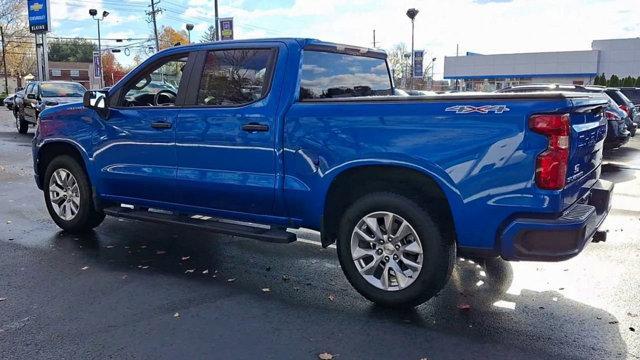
x=332 y=297
x=176 y=315
x=143 y=267
x=231 y=280
x=85 y=268
x=205 y=272
x=109 y=246
x=541 y=307
x=124 y=277
x=3 y=299
x=632 y=314
x=464 y=307
x=185 y=258
x=189 y=271
x=10 y=239
x=632 y=328
x=613 y=322
x=8 y=221
x=325 y=356
x=285 y=278
x=266 y=290
x=160 y=252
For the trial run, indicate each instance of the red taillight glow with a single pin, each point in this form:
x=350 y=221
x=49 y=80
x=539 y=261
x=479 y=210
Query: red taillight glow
x=626 y=109
x=611 y=116
x=551 y=165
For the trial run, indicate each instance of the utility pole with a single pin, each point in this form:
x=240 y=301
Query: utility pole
x=4 y=61
x=374 y=38
x=217 y=21
x=153 y=13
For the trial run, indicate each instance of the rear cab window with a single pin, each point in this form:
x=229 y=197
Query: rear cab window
x=331 y=75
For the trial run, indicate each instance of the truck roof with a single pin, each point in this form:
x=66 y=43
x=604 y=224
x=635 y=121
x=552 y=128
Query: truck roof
x=306 y=43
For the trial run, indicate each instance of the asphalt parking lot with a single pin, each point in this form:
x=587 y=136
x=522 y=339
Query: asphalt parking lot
x=147 y=291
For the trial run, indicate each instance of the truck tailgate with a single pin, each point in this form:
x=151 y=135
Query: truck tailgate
x=588 y=131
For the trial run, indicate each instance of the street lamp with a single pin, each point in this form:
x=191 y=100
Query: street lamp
x=189 y=28
x=433 y=64
x=412 y=13
x=93 y=13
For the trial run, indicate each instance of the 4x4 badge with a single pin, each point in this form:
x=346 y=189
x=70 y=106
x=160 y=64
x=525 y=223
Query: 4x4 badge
x=484 y=109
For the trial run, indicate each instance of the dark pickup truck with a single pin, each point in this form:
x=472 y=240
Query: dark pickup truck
x=253 y=137
x=39 y=95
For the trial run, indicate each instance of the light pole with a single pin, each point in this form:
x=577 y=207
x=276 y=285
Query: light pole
x=93 y=13
x=412 y=13
x=189 y=28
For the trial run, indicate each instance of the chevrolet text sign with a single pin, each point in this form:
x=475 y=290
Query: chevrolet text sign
x=39 y=19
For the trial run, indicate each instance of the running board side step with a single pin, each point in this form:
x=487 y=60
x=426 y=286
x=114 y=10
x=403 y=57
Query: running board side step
x=273 y=235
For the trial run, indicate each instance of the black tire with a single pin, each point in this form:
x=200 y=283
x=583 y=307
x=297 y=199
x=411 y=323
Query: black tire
x=21 y=124
x=439 y=253
x=87 y=217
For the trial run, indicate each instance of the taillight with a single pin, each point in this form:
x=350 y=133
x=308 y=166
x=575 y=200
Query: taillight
x=626 y=109
x=611 y=116
x=551 y=165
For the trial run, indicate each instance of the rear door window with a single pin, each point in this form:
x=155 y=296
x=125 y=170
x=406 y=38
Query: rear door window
x=327 y=75
x=235 y=77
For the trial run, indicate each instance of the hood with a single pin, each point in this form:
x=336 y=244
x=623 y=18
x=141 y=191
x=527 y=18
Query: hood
x=62 y=100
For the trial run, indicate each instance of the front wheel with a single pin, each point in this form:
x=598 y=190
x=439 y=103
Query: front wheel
x=392 y=252
x=21 y=124
x=69 y=197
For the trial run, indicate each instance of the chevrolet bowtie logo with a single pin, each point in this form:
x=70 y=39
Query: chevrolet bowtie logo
x=36 y=7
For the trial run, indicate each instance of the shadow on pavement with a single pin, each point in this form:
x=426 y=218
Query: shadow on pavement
x=474 y=305
x=617 y=173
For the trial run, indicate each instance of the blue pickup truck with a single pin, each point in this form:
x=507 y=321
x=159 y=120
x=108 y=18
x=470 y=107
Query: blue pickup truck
x=255 y=137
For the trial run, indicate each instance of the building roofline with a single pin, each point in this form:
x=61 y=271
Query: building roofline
x=515 y=76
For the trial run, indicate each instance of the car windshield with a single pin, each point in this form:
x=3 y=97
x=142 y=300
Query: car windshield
x=62 y=90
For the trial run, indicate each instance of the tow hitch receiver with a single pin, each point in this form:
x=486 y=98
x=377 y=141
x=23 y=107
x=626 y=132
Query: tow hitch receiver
x=599 y=236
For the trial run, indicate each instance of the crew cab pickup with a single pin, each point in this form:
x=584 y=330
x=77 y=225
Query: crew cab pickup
x=255 y=137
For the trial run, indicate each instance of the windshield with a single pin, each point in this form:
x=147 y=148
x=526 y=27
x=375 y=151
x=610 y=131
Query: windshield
x=62 y=90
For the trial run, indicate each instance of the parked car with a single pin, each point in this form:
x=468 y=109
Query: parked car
x=619 y=125
x=633 y=93
x=9 y=99
x=39 y=95
x=260 y=132
x=626 y=105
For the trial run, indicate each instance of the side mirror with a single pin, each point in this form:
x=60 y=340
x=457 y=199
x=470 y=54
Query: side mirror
x=96 y=100
x=31 y=96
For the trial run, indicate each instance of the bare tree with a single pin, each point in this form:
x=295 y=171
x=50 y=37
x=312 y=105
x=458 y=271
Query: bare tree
x=398 y=62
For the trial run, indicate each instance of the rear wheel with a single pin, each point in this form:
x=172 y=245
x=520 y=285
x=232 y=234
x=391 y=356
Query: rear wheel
x=392 y=252
x=69 y=197
x=21 y=124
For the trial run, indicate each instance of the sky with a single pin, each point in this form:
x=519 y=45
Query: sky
x=480 y=26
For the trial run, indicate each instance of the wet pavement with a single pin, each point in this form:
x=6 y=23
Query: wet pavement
x=148 y=291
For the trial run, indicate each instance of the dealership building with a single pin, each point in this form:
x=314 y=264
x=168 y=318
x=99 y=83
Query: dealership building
x=477 y=72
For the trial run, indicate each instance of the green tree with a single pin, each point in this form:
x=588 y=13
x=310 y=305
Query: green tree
x=596 y=80
x=637 y=84
x=76 y=50
x=629 y=81
x=614 y=81
x=209 y=34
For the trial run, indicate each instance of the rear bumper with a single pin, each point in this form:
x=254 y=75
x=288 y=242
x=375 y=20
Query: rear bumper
x=556 y=239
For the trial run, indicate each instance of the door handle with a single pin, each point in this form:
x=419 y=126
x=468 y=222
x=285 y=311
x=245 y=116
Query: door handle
x=255 y=127
x=161 y=125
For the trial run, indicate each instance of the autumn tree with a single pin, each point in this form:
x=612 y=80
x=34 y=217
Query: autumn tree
x=112 y=70
x=169 y=37
x=19 y=47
